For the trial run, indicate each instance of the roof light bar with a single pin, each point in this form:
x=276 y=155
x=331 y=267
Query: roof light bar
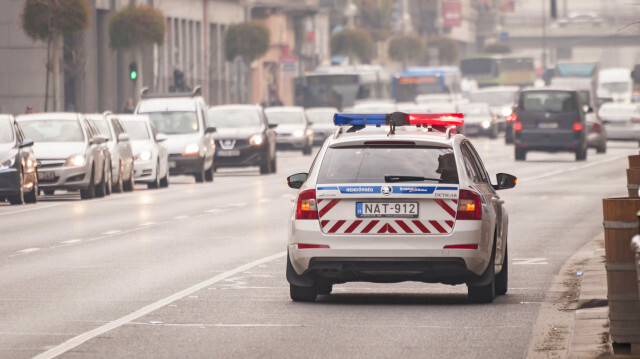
x=436 y=119
x=398 y=119
x=356 y=119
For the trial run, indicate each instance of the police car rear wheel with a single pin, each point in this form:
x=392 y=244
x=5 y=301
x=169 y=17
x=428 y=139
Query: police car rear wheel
x=485 y=293
x=325 y=288
x=303 y=294
x=521 y=154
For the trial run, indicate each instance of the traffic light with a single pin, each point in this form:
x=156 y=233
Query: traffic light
x=133 y=71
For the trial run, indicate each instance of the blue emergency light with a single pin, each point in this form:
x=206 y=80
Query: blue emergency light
x=358 y=119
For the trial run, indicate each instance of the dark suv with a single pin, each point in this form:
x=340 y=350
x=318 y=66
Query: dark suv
x=550 y=120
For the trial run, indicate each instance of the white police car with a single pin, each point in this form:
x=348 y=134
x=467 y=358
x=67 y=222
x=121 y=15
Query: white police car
x=384 y=205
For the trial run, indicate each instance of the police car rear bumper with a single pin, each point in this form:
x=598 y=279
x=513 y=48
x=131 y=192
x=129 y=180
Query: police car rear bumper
x=9 y=182
x=393 y=258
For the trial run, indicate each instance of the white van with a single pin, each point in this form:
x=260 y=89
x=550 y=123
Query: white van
x=615 y=83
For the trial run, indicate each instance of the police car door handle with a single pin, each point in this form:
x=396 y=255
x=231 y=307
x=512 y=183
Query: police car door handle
x=497 y=200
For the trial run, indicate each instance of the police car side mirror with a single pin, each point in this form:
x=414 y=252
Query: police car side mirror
x=297 y=180
x=161 y=137
x=273 y=125
x=210 y=130
x=123 y=137
x=505 y=181
x=26 y=143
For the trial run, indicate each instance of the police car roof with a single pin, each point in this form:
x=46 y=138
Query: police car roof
x=414 y=134
x=49 y=116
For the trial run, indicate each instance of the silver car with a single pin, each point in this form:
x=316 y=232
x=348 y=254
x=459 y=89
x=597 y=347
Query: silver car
x=621 y=120
x=294 y=129
x=122 y=171
x=322 y=122
x=182 y=118
x=71 y=154
x=151 y=156
x=479 y=120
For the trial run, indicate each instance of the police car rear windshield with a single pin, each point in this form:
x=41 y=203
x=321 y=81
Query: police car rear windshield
x=371 y=164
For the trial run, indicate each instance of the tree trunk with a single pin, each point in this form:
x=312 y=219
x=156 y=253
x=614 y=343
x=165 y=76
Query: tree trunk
x=57 y=88
x=137 y=57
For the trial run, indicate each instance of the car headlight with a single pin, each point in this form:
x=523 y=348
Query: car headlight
x=192 y=149
x=76 y=160
x=297 y=133
x=308 y=132
x=7 y=163
x=486 y=124
x=144 y=156
x=256 y=140
x=507 y=111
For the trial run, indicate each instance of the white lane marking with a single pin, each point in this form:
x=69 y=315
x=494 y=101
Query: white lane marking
x=82 y=338
x=214 y=210
x=72 y=241
x=265 y=200
x=180 y=217
x=217 y=325
x=109 y=233
x=33 y=209
x=242 y=204
x=555 y=173
x=517 y=261
x=29 y=250
x=148 y=224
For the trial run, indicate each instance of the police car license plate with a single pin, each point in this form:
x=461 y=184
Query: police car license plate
x=387 y=209
x=46 y=175
x=230 y=153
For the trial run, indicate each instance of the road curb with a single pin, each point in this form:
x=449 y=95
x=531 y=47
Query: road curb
x=573 y=321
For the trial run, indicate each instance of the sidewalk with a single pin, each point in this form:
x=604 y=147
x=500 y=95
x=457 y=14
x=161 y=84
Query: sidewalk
x=574 y=319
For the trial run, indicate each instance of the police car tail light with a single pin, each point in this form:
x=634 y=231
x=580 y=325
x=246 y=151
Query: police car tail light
x=306 y=208
x=436 y=119
x=469 y=206
x=511 y=118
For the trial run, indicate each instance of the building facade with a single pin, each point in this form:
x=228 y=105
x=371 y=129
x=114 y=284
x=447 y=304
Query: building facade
x=95 y=77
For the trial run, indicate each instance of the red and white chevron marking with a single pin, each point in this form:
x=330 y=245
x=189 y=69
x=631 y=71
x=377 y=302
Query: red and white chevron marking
x=442 y=225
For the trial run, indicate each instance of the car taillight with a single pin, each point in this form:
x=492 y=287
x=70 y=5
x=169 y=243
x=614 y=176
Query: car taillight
x=635 y=120
x=517 y=126
x=306 y=208
x=469 y=206
x=577 y=126
x=597 y=128
x=311 y=246
x=511 y=118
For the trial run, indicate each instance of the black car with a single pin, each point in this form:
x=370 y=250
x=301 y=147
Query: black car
x=550 y=120
x=243 y=137
x=18 y=177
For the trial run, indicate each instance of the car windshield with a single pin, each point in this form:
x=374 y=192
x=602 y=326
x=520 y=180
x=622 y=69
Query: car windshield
x=493 y=98
x=137 y=130
x=6 y=134
x=103 y=127
x=548 y=101
x=52 y=130
x=286 y=118
x=233 y=118
x=372 y=164
x=175 y=123
x=475 y=111
x=321 y=116
x=616 y=87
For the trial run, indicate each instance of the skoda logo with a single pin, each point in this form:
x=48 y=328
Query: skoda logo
x=386 y=190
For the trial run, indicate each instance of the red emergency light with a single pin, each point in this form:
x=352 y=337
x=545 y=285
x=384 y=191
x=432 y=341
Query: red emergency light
x=435 y=119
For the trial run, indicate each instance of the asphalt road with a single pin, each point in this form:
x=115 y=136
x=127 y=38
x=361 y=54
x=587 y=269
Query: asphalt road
x=197 y=271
